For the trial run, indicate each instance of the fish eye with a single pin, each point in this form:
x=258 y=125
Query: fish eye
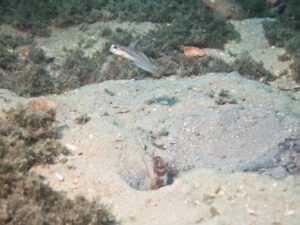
x=114 y=47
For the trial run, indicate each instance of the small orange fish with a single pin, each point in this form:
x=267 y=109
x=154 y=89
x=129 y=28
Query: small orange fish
x=191 y=51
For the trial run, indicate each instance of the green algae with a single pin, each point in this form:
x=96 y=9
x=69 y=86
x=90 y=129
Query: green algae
x=191 y=19
x=28 y=139
x=279 y=35
x=251 y=69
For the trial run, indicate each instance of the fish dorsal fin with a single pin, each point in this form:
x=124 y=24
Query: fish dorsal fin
x=133 y=43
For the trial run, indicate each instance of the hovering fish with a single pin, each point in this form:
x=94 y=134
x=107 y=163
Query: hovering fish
x=139 y=58
x=191 y=51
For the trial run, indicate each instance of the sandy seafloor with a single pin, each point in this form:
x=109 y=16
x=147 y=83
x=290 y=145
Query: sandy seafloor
x=230 y=159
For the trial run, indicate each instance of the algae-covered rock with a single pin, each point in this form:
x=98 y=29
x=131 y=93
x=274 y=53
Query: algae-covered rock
x=27 y=139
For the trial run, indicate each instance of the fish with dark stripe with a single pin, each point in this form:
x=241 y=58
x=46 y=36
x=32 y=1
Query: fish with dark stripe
x=160 y=173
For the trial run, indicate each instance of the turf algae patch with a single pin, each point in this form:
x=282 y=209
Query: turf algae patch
x=23 y=66
x=247 y=67
x=34 y=80
x=286 y=34
x=77 y=70
x=26 y=69
x=191 y=66
x=27 y=139
x=177 y=19
x=193 y=25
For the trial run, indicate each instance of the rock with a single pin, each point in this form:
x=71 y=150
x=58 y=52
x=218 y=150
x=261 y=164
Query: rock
x=246 y=146
x=230 y=9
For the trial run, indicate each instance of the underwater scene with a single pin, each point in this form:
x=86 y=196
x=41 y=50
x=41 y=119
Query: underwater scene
x=144 y=112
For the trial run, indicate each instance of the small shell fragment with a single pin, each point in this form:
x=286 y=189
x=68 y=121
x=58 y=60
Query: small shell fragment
x=103 y=113
x=59 y=177
x=123 y=111
x=70 y=147
x=251 y=212
x=75 y=174
x=196 y=89
x=75 y=182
